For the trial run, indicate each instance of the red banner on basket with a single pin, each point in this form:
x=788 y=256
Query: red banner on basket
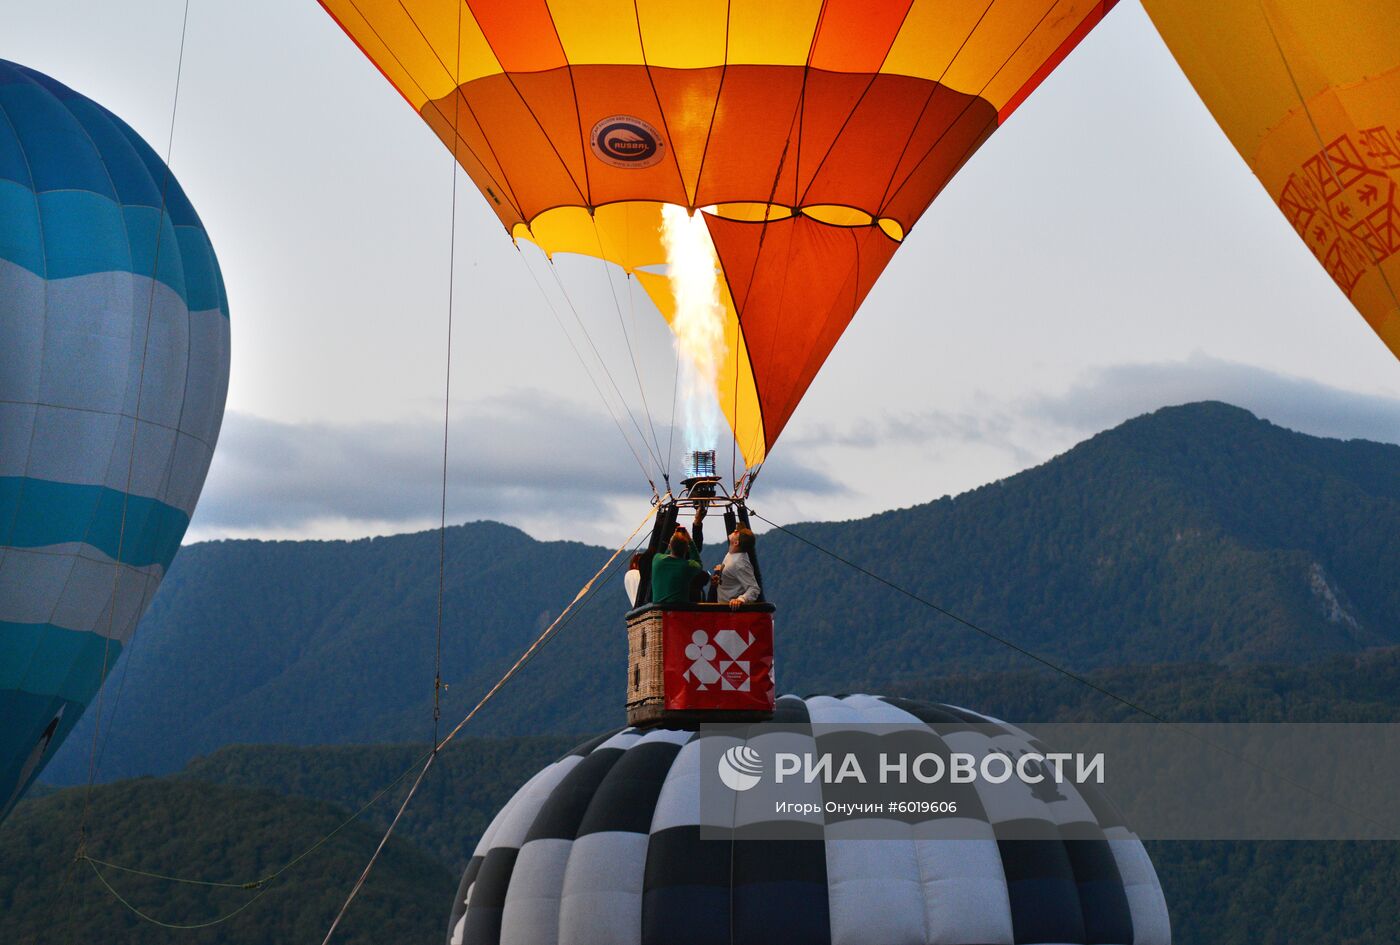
x=719 y=659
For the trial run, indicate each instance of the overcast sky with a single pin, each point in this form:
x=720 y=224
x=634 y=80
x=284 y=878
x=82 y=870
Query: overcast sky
x=1105 y=254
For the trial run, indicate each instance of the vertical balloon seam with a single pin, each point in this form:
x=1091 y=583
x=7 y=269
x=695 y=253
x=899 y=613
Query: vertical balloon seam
x=536 y=68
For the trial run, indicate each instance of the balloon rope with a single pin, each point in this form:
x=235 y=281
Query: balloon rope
x=447 y=388
x=583 y=363
x=734 y=403
x=586 y=201
x=559 y=622
x=93 y=754
x=136 y=911
x=261 y=884
x=421 y=764
x=568 y=299
x=136 y=413
x=131 y=448
x=675 y=397
x=662 y=461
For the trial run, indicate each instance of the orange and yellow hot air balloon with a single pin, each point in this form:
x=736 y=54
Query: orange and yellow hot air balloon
x=812 y=136
x=1309 y=94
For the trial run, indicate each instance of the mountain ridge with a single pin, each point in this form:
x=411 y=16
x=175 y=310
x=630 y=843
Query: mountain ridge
x=1193 y=534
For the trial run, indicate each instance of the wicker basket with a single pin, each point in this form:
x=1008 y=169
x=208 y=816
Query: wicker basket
x=646 y=682
x=647 y=700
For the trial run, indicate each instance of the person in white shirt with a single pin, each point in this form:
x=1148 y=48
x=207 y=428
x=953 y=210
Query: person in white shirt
x=632 y=580
x=734 y=578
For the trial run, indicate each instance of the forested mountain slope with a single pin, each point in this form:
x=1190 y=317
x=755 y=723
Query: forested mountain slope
x=1194 y=534
x=209 y=832
x=242 y=809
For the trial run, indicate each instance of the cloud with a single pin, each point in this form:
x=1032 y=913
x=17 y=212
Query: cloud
x=1107 y=396
x=557 y=469
x=940 y=430
x=906 y=456
x=531 y=459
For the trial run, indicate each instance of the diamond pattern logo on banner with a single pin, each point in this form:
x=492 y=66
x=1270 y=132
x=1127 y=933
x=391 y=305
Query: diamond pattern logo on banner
x=733 y=643
x=734 y=675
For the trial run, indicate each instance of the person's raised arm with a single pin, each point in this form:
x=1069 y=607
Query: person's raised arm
x=698 y=532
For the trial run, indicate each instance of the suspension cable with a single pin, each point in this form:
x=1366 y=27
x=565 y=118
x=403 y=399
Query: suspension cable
x=559 y=622
x=670 y=441
x=93 y=753
x=140 y=393
x=675 y=396
x=564 y=292
x=421 y=765
x=583 y=363
x=447 y=395
x=627 y=339
x=175 y=926
x=260 y=886
x=959 y=619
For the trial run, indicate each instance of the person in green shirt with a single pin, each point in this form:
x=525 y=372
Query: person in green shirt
x=676 y=574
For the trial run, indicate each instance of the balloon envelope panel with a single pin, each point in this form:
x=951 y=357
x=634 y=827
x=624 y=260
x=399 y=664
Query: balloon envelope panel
x=604 y=847
x=1309 y=94
x=114 y=349
x=578 y=120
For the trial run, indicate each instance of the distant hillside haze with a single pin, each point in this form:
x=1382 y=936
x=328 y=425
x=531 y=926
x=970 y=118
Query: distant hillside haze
x=1195 y=534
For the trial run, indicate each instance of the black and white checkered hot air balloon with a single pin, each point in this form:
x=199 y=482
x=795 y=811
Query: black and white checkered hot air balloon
x=604 y=847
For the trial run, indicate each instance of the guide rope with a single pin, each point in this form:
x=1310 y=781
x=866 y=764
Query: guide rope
x=260 y=885
x=447 y=400
x=93 y=751
x=534 y=648
x=421 y=764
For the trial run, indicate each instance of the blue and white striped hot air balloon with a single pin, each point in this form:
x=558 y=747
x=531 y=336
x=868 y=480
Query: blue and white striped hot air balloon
x=112 y=314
